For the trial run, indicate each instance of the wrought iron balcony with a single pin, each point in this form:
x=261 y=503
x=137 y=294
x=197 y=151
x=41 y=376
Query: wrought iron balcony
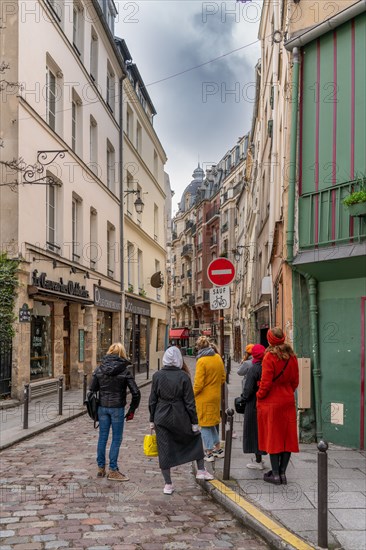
x=224 y=227
x=214 y=211
x=188 y=225
x=187 y=250
x=206 y=295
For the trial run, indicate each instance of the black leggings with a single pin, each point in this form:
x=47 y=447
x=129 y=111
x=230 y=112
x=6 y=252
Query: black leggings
x=166 y=473
x=279 y=462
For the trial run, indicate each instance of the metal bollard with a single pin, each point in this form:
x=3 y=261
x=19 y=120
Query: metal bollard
x=228 y=443
x=147 y=369
x=134 y=370
x=228 y=369
x=322 y=494
x=60 y=395
x=85 y=384
x=224 y=400
x=26 y=407
x=158 y=363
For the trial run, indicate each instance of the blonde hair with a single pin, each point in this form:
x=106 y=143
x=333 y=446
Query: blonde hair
x=203 y=342
x=282 y=351
x=117 y=349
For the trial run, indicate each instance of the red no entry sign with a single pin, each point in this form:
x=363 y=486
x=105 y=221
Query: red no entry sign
x=221 y=271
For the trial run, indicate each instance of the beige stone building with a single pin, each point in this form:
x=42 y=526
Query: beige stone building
x=145 y=233
x=63 y=195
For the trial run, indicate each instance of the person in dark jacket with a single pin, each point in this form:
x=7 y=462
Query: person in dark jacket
x=173 y=416
x=250 y=426
x=112 y=379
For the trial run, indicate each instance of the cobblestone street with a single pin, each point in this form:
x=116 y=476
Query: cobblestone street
x=52 y=499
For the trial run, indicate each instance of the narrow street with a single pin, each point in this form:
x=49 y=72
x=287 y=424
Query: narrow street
x=52 y=499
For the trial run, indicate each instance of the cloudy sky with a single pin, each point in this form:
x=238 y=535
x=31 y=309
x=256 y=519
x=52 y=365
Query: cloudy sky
x=202 y=112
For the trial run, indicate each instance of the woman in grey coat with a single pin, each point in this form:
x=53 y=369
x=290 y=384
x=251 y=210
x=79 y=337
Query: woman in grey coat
x=250 y=426
x=173 y=416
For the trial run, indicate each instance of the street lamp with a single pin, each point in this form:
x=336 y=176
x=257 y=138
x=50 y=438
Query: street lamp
x=139 y=204
x=237 y=251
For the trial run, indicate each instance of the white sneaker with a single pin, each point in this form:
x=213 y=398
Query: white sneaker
x=210 y=457
x=168 y=489
x=204 y=474
x=218 y=453
x=255 y=465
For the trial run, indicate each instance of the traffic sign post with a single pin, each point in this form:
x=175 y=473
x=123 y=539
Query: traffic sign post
x=220 y=297
x=221 y=272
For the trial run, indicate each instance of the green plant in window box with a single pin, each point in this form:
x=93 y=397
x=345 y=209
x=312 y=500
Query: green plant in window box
x=356 y=201
x=142 y=292
x=130 y=288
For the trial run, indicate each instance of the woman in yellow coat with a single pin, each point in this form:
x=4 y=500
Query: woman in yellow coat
x=209 y=377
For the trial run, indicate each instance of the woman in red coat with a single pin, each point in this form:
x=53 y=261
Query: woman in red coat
x=276 y=409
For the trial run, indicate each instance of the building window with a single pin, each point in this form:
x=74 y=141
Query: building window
x=77 y=27
x=51 y=82
x=93 y=145
x=110 y=250
x=104 y=333
x=93 y=245
x=129 y=123
x=52 y=219
x=129 y=197
x=94 y=55
x=111 y=94
x=130 y=254
x=56 y=9
x=140 y=277
x=76 y=228
x=156 y=222
x=110 y=166
x=76 y=123
x=138 y=137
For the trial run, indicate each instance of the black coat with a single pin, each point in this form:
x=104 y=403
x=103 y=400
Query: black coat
x=173 y=411
x=111 y=379
x=250 y=427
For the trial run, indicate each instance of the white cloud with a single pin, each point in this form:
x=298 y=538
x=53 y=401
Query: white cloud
x=197 y=116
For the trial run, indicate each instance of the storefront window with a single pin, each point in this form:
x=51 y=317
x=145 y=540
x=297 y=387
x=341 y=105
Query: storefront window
x=41 y=338
x=143 y=340
x=129 y=336
x=104 y=333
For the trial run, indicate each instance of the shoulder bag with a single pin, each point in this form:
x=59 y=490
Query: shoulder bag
x=282 y=371
x=92 y=404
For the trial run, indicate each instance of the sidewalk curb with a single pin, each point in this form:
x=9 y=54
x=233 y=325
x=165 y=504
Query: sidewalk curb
x=53 y=425
x=222 y=495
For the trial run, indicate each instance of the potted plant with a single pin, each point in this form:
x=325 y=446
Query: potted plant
x=356 y=201
x=130 y=288
x=142 y=292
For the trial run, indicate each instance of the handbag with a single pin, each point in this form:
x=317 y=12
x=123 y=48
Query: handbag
x=239 y=404
x=92 y=404
x=150 y=445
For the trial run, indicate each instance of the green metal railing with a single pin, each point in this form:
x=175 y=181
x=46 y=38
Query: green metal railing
x=325 y=220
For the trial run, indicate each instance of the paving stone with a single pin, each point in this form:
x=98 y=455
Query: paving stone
x=7 y=533
x=352 y=540
x=350 y=519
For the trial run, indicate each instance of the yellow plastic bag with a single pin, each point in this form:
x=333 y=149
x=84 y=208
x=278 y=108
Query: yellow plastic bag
x=150 y=445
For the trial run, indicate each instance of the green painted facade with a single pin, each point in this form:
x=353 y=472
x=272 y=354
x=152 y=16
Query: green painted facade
x=332 y=155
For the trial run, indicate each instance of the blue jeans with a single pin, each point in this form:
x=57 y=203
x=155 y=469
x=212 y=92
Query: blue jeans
x=210 y=437
x=115 y=417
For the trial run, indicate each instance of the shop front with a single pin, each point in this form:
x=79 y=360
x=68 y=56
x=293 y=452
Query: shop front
x=137 y=332
x=108 y=304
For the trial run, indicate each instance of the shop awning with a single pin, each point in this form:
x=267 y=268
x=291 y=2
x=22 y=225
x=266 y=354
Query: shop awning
x=178 y=333
x=206 y=332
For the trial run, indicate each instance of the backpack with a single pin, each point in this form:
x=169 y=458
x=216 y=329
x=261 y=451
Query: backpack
x=92 y=403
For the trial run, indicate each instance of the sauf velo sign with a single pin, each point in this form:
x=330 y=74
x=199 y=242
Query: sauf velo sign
x=220 y=297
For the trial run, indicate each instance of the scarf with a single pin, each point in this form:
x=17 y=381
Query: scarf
x=204 y=352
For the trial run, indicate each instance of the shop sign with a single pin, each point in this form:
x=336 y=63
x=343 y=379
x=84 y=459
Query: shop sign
x=70 y=288
x=138 y=307
x=107 y=299
x=25 y=314
x=81 y=344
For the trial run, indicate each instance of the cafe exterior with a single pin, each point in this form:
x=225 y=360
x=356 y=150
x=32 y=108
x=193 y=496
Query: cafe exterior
x=64 y=326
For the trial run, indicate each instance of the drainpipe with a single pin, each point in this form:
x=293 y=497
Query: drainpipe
x=311 y=282
x=313 y=314
x=121 y=215
x=293 y=150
